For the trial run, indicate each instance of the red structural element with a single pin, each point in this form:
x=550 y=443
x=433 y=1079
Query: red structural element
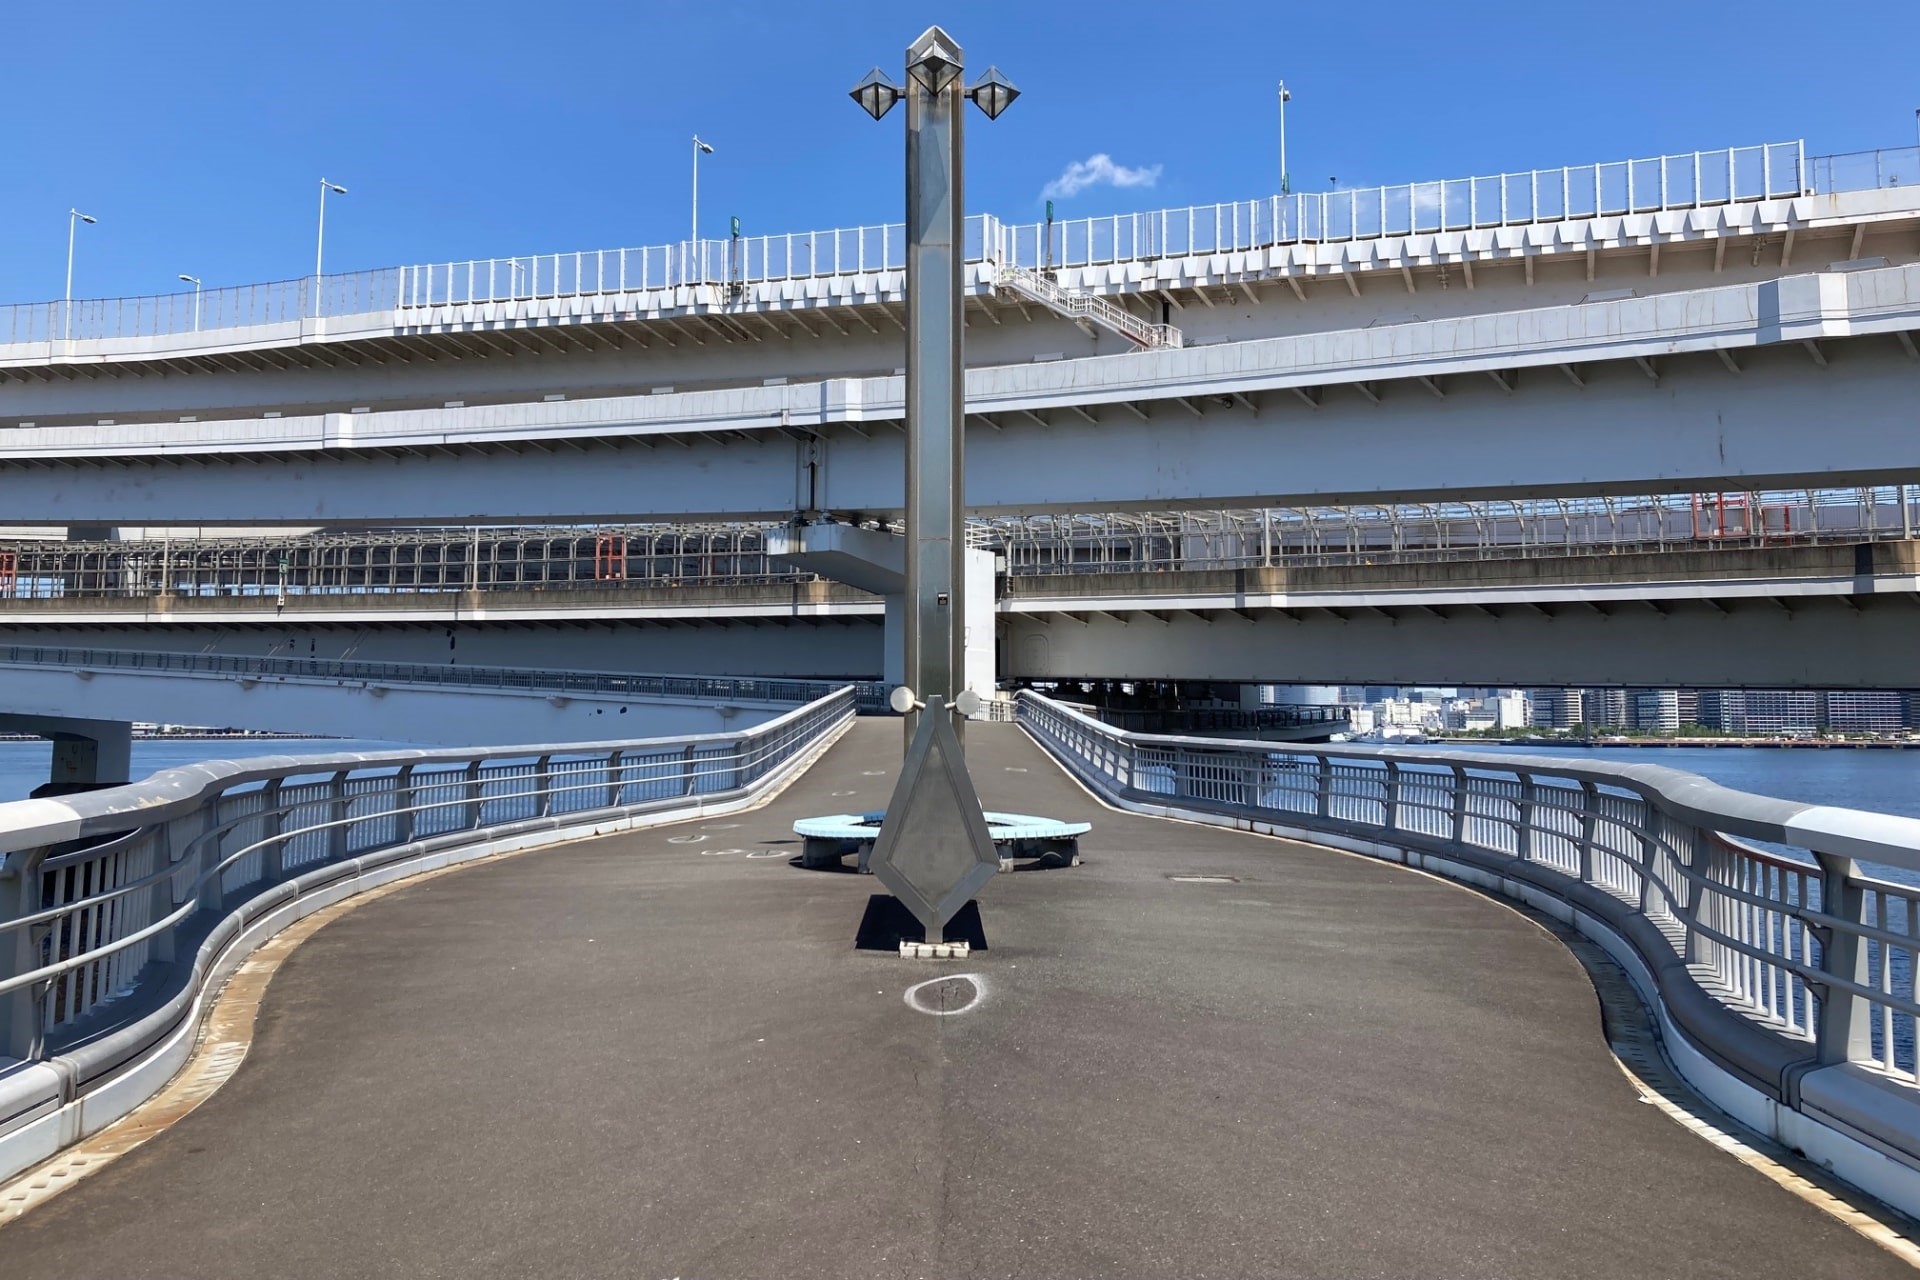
x=610 y=557
x=1722 y=515
x=9 y=570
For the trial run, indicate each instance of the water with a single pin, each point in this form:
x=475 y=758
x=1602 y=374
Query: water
x=25 y=765
x=1882 y=781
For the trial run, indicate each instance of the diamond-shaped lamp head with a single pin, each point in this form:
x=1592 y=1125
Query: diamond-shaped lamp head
x=993 y=93
x=934 y=61
x=876 y=94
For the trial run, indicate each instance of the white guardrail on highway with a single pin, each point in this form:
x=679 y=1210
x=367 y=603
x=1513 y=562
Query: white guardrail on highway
x=1686 y=180
x=1783 y=977
x=121 y=910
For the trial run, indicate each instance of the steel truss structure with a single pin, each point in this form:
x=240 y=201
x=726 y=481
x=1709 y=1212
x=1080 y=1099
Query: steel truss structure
x=666 y=556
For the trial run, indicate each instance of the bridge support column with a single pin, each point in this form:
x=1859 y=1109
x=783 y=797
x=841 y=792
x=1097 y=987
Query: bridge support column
x=875 y=560
x=87 y=754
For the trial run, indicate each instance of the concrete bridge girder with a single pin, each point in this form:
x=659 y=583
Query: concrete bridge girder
x=1754 y=643
x=1778 y=421
x=619 y=341
x=449 y=715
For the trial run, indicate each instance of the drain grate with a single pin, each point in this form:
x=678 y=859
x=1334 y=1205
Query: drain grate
x=1195 y=879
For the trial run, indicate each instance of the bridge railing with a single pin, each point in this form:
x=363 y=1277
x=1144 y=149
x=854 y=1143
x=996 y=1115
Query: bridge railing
x=1690 y=180
x=870 y=696
x=1687 y=180
x=1751 y=918
x=119 y=907
x=744 y=260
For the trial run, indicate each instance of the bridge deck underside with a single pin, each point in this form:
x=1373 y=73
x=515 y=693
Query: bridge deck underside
x=630 y=1058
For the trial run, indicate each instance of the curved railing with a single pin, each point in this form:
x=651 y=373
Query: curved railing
x=1686 y=180
x=120 y=908
x=869 y=695
x=1787 y=968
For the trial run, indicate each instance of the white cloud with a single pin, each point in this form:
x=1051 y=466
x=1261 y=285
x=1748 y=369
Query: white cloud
x=1097 y=170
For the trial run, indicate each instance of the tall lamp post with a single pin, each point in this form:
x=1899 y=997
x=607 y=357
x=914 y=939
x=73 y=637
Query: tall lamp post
x=320 y=239
x=74 y=219
x=195 y=282
x=934 y=851
x=693 y=237
x=1286 y=96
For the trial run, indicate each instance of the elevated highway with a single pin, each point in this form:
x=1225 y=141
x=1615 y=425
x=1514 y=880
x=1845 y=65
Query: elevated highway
x=1799 y=613
x=1730 y=387
x=1682 y=321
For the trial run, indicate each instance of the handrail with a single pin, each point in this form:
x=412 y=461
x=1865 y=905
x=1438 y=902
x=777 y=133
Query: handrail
x=1803 y=953
x=871 y=695
x=102 y=892
x=1686 y=180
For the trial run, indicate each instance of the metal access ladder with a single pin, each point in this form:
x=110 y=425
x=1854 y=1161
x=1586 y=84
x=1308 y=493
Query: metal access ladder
x=1087 y=310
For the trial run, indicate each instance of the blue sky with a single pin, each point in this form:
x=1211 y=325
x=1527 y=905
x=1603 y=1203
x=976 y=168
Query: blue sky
x=197 y=131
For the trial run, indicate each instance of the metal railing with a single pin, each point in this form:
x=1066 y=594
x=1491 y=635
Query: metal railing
x=673 y=558
x=1686 y=180
x=1089 y=307
x=870 y=696
x=108 y=918
x=1692 y=180
x=1806 y=959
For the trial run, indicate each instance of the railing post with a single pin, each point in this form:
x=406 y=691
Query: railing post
x=1390 y=805
x=1459 y=805
x=1523 y=834
x=403 y=805
x=273 y=863
x=1844 y=1033
x=686 y=770
x=1589 y=826
x=1323 y=787
x=474 y=801
x=613 y=779
x=337 y=805
x=20 y=953
x=543 y=787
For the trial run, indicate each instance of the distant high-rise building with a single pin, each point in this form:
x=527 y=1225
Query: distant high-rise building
x=1605 y=708
x=1866 y=711
x=1656 y=710
x=1557 y=708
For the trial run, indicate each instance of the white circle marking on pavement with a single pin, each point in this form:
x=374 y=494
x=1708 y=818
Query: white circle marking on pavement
x=694 y=838
x=924 y=1004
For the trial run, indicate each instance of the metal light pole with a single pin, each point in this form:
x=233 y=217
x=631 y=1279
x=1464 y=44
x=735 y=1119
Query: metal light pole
x=320 y=240
x=693 y=237
x=195 y=282
x=1286 y=96
x=934 y=851
x=74 y=219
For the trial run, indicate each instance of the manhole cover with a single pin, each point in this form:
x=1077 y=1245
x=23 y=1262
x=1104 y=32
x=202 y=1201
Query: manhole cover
x=1204 y=879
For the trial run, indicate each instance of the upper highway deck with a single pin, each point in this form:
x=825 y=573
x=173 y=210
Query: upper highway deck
x=818 y=305
x=629 y=1057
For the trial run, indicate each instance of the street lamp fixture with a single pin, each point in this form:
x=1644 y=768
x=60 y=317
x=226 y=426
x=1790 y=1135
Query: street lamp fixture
x=992 y=93
x=1286 y=180
x=938 y=63
x=699 y=148
x=877 y=94
x=195 y=282
x=320 y=238
x=74 y=218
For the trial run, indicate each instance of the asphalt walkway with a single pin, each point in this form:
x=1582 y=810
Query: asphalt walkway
x=657 y=1056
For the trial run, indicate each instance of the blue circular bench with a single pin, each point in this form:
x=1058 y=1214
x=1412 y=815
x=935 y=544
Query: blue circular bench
x=1016 y=835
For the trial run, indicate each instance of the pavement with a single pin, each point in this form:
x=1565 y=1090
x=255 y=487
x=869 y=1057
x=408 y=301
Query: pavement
x=656 y=1056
